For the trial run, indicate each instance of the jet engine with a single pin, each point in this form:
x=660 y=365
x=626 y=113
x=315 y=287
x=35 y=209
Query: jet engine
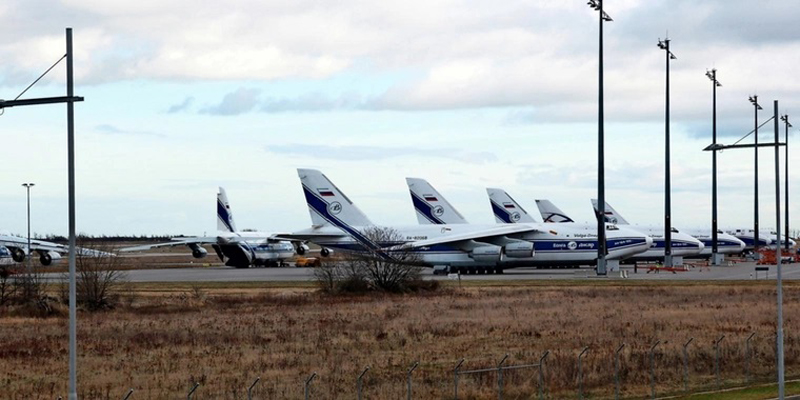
x=486 y=253
x=198 y=251
x=301 y=249
x=519 y=249
x=325 y=252
x=49 y=258
x=18 y=254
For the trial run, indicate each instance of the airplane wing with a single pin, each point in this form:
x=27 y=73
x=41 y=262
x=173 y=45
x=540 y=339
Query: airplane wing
x=175 y=242
x=486 y=234
x=302 y=237
x=39 y=245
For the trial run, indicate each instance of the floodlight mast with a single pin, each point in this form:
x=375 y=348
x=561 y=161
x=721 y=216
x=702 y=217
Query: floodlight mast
x=601 y=189
x=664 y=45
x=715 y=256
x=70 y=99
x=754 y=100
x=781 y=371
x=785 y=120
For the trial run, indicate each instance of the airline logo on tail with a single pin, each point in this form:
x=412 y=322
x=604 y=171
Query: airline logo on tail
x=610 y=214
x=505 y=213
x=505 y=208
x=431 y=207
x=329 y=206
x=551 y=213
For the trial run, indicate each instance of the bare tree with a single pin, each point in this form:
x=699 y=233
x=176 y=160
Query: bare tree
x=99 y=278
x=7 y=287
x=384 y=266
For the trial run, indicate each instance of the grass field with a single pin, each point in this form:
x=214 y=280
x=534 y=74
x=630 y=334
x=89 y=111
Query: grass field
x=163 y=338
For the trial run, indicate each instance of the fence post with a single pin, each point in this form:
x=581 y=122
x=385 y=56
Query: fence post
x=580 y=372
x=250 y=389
x=500 y=377
x=408 y=375
x=189 y=396
x=130 y=392
x=307 y=385
x=358 y=381
x=747 y=357
x=686 y=365
x=455 y=379
x=653 y=369
x=716 y=358
x=541 y=375
x=616 y=371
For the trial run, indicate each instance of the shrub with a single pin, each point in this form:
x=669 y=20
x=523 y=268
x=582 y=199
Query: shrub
x=390 y=268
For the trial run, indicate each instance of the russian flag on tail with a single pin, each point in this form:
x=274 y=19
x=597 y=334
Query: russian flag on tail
x=325 y=192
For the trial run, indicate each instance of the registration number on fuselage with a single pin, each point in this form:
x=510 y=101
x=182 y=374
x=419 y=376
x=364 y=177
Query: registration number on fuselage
x=416 y=237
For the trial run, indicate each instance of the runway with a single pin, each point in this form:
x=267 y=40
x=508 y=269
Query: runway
x=741 y=271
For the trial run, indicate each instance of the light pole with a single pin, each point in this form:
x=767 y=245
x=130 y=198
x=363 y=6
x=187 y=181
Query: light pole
x=664 y=45
x=716 y=258
x=70 y=99
x=785 y=120
x=754 y=99
x=601 y=174
x=781 y=371
x=28 y=187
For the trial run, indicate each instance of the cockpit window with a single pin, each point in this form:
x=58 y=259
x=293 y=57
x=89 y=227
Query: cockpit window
x=673 y=230
x=611 y=227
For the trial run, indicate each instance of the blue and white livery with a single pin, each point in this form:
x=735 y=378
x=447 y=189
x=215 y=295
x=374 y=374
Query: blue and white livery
x=339 y=224
x=240 y=249
x=506 y=210
x=683 y=244
x=49 y=253
x=430 y=206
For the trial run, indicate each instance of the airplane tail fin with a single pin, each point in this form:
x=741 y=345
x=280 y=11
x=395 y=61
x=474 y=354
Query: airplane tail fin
x=327 y=204
x=506 y=209
x=430 y=206
x=224 y=216
x=612 y=216
x=551 y=213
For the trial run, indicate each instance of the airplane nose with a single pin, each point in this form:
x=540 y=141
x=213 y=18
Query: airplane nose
x=649 y=241
x=701 y=245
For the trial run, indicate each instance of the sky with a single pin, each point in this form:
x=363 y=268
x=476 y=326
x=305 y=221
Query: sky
x=182 y=97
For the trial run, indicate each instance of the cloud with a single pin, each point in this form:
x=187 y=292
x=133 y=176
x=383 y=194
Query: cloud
x=176 y=108
x=367 y=153
x=109 y=129
x=235 y=103
x=312 y=102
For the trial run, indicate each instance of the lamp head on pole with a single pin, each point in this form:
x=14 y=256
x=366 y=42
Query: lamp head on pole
x=754 y=100
x=664 y=45
x=595 y=4
x=28 y=185
x=712 y=75
x=785 y=119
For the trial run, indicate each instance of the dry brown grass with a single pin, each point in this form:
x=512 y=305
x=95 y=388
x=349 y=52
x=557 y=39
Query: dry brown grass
x=159 y=344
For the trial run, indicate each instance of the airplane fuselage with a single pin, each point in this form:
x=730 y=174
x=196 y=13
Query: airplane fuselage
x=726 y=243
x=683 y=245
x=552 y=245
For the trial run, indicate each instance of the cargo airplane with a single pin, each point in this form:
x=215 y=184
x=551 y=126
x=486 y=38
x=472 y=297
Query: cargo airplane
x=240 y=249
x=765 y=238
x=726 y=244
x=432 y=208
x=49 y=253
x=338 y=224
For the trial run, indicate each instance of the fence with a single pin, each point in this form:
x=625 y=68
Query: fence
x=492 y=380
